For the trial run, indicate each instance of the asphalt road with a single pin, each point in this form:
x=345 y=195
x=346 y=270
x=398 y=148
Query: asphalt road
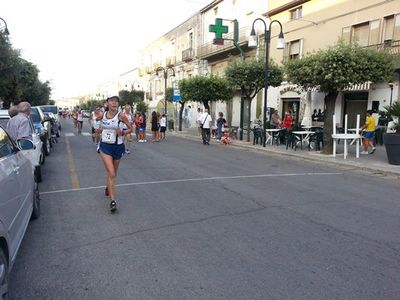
x=208 y=222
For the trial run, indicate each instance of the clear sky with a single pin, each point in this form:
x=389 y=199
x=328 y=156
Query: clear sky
x=77 y=44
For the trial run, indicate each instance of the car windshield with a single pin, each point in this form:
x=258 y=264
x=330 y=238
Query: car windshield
x=49 y=108
x=35 y=116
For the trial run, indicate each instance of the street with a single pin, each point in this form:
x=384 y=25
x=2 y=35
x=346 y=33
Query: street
x=208 y=222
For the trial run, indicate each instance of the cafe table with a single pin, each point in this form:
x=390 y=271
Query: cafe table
x=270 y=133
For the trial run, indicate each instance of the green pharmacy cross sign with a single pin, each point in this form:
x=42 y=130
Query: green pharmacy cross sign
x=218 y=29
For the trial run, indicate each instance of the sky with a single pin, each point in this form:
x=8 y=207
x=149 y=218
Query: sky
x=78 y=44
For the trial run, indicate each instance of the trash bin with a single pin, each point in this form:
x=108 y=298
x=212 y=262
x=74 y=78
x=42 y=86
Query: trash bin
x=170 y=124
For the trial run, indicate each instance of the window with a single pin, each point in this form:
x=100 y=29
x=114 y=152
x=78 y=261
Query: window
x=294 y=50
x=374 y=32
x=190 y=40
x=391 y=30
x=6 y=146
x=296 y=13
x=360 y=34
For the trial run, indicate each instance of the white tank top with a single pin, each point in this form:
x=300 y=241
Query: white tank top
x=109 y=135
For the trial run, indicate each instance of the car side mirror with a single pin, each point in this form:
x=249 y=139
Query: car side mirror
x=25 y=144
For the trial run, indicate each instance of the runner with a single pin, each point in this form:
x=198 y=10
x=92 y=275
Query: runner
x=128 y=136
x=79 y=119
x=111 y=145
x=95 y=125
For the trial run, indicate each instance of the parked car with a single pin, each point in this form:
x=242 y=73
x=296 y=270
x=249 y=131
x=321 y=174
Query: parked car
x=35 y=155
x=42 y=126
x=19 y=202
x=52 y=109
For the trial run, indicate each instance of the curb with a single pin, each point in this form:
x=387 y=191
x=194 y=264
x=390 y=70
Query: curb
x=321 y=158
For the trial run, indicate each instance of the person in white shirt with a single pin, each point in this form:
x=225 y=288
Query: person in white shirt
x=205 y=122
x=163 y=126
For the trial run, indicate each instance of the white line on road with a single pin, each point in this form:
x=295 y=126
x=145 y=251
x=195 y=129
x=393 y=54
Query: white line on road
x=192 y=179
x=69 y=134
x=86 y=134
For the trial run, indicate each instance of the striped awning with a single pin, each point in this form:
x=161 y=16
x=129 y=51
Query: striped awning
x=359 y=87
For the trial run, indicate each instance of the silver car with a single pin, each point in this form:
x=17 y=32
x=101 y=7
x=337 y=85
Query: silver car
x=19 y=202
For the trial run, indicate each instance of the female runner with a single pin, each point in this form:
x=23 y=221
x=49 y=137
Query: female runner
x=112 y=146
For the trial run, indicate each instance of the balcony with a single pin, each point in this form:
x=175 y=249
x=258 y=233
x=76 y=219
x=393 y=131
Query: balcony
x=209 y=49
x=187 y=55
x=392 y=47
x=170 y=61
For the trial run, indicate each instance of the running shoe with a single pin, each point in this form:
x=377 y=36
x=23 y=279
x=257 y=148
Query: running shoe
x=373 y=150
x=127 y=151
x=364 y=152
x=113 y=205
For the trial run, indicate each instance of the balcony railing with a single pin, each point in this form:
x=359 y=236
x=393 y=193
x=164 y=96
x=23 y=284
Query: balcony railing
x=210 y=49
x=187 y=54
x=392 y=47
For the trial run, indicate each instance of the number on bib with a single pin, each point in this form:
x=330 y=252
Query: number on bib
x=108 y=136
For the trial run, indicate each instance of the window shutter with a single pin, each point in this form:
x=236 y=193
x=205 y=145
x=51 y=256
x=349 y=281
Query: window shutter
x=396 y=33
x=346 y=34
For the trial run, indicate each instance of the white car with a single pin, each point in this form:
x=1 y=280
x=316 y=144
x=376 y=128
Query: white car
x=19 y=202
x=35 y=155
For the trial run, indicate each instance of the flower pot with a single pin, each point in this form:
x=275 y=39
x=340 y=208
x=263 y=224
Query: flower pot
x=392 y=145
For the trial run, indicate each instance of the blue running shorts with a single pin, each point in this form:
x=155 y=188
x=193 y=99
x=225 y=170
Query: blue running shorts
x=114 y=150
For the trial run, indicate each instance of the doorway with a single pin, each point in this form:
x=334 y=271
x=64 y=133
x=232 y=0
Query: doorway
x=355 y=104
x=293 y=105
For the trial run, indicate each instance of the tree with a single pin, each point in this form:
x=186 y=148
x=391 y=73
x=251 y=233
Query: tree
x=130 y=97
x=334 y=69
x=20 y=78
x=205 y=89
x=249 y=76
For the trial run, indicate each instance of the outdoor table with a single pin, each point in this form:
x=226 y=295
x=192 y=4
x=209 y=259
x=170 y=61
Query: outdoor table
x=310 y=127
x=270 y=134
x=303 y=136
x=347 y=136
x=355 y=131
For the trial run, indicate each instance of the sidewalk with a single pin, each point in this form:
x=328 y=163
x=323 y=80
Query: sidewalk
x=376 y=163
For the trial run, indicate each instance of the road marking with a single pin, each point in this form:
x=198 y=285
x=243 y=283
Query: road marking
x=69 y=134
x=86 y=134
x=71 y=166
x=191 y=179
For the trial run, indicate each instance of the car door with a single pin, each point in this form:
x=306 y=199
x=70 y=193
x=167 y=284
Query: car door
x=34 y=154
x=16 y=189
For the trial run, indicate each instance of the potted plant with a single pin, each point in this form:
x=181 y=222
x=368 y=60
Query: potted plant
x=392 y=140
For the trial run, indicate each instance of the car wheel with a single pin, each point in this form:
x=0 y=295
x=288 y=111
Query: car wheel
x=3 y=275
x=46 y=147
x=38 y=173
x=36 y=202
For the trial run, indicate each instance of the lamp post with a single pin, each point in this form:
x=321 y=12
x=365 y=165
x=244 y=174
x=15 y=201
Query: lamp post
x=165 y=73
x=391 y=84
x=280 y=45
x=6 y=32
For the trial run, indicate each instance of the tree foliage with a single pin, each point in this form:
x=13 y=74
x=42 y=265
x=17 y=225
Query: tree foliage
x=334 y=69
x=20 y=78
x=249 y=76
x=205 y=89
x=130 y=97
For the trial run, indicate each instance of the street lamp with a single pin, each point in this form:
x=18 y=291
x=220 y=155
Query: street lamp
x=6 y=32
x=391 y=84
x=280 y=45
x=165 y=73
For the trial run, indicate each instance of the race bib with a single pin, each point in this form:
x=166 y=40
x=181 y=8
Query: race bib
x=108 y=136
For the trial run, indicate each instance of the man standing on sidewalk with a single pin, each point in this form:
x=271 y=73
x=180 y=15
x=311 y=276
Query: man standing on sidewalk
x=204 y=123
x=369 y=133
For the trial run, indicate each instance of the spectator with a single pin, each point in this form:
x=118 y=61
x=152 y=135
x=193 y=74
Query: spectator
x=275 y=120
x=204 y=124
x=18 y=127
x=220 y=125
x=198 y=120
x=314 y=116
x=368 y=140
x=287 y=121
x=13 y=111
